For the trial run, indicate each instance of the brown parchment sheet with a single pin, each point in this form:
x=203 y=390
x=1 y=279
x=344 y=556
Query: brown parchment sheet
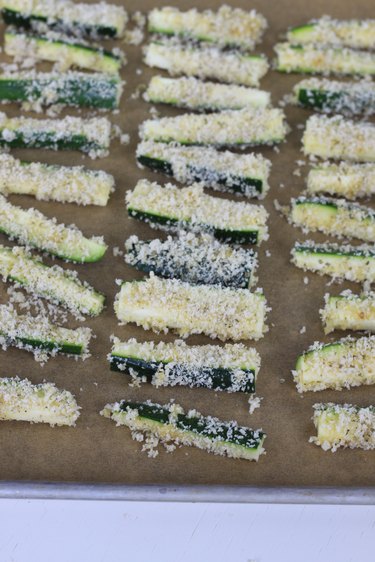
x=96 y=450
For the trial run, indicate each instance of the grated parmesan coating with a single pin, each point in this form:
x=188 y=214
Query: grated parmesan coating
x=62 y=49
x=34 y=229
x=338 y=138
x=356 y=33
x=48 y=182
x=344 y=425
x=332 y=96
x=191 y=208
x=243 y=127
x=194 y=366
x=245 y=174
x=163 y=304
x=194 y=94
x=354 y=263
x=196 y=259
x=190 y=428
x=232 y=67
x=348 y=180
x=78 y=18
x=349 y=311
x=72 y=88
x=40 y=403
x=55 y=284
x=342 y=364
x=225 y=27
x=333 y=216
x=38 y=335
x=323 y=59
x=92 y=135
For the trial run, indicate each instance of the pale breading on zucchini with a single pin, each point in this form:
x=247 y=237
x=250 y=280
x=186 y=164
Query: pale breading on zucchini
x=232 y=367
x=342 y=364
x=332 y=96
x=170 y=424
x=192 y=93
x=38 y=334
x=95 y=20
x=344 y=425
x=51 y=182
x=20 y=400
x=67 y=52
x=35 y=230
x=189 y=208
x=324 y=59
x=243 y=174
x=353 y=263
x=349 y=311
x=55 y=284
x=89 y=135
x=242 y=127
x=351 y=181
x=226 y=27
x=197 y=259
x=232 y=67
x=333 y=216
x=219 y=312
x=356 y=33
x=34 y=90
x=339 y=138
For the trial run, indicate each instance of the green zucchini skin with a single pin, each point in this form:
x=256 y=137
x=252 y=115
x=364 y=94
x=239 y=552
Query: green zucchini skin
x=89 y=92
x=178 y=260
x=199 y=425
x=224 y=235
x=29 y=22
x=324 y=251
x=69 y=348
x=49 y=140
x=236 y=184
x=220 y=378
x=318 y=99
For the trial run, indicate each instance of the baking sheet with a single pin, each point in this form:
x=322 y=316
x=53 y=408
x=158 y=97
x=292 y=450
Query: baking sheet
x=98 y=452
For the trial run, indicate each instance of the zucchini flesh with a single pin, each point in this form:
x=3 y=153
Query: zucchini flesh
x=245 y=174
x=37 y=333
x=232 y=368
x=195 y=259
x=227 y=27
x=348 y=180
x=231 y=67
x=70 y=88
x=354 y=263
x=171 y=423
x=331 y=96
x=192 y=93
x=61 y=49
x=162 y=304
x=349 y=312
x=54 y=183
x=359 y=34
x=52 y=283
x=36 y=403
x=344 y=425
x=34 y=229
x=243 y=127
x=323 y=59
x=342 y=364
x=70 y=133
x=333 y=216
x=339 y=138
x=97 y=20
x=190 y=208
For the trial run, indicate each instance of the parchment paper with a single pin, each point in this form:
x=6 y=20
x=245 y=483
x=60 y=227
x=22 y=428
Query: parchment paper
x=97 y=451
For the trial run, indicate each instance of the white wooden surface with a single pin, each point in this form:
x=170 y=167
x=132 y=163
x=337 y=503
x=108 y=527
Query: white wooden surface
x=82 y=531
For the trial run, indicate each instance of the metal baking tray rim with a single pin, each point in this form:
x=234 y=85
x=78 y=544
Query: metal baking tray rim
x=197 y=493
